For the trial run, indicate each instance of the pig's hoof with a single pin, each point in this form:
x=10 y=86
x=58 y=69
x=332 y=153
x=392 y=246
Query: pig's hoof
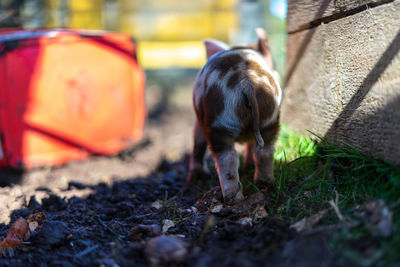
x=234 y=195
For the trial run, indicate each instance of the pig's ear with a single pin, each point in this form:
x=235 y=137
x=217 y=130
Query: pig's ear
x=214 y=46
x=263 y=47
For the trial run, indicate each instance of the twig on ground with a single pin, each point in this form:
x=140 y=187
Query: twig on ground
x=336 y=207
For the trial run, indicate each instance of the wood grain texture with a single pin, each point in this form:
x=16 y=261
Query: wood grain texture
x=305 y=14
x=344 y=80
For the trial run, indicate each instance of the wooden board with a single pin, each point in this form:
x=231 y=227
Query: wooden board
x=304 y=14
x=343 y=80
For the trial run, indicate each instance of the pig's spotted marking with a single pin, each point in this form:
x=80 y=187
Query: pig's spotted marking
x=239 y=118
x=227 y=62
x=220 y=139
x=234 y=79
x=215 y=96
x=269 y=78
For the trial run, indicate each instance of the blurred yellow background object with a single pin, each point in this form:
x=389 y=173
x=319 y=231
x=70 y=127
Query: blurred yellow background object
x=169 y=33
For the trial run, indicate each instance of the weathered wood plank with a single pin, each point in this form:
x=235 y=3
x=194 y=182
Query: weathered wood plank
x=305 y=14
x=344 y=80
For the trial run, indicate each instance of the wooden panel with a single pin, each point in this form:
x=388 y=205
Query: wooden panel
x=343 y=80
x=303 y=14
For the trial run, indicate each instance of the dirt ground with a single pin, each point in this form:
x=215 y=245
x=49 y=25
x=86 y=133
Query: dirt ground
x=128 y=209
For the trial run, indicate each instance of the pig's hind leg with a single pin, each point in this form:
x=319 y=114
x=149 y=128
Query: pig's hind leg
x=227 y=162
x=264 y=156
x=196 y=170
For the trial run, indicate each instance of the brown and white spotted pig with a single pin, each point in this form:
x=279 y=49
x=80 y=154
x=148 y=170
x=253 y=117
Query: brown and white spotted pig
x=236 y=98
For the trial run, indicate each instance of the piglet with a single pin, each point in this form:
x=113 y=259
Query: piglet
x=236 y=98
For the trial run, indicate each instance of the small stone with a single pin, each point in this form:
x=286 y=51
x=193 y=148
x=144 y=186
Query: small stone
x=217 y=209
x=165 y=250
x=156 y=204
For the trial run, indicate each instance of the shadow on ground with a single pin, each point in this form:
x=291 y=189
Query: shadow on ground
x=96 y=230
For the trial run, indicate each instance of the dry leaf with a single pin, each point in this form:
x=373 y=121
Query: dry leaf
x=19 y=229
x=246 y=221
x=37 y=217
x=260 y=214
x=167 y=224
x=217 y=209
x=156 y=204
x=33 y=226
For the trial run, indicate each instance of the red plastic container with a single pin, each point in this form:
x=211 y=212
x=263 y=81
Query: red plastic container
x=67 y=94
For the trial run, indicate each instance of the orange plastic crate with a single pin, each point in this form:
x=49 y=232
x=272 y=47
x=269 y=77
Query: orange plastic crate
x=67 y=94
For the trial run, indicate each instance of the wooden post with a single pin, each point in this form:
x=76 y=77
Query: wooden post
x=343 y=72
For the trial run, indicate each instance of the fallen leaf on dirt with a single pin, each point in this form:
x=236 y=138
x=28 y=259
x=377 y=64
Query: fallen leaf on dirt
x=245 y=207
x=140 y=231
x=156 y=204
x=165 y=250
x=19 y=229
x=167 y=224
x=216 y=209
x=35 y=221
x=246 y=221
x=308 y=223
x=40 y=217
x=211 y=197
x=36 y=228
x=377 y=217
x=33 y=226
x=260 y=214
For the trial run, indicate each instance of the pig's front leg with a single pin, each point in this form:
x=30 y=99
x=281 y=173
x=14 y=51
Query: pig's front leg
x=196 y=170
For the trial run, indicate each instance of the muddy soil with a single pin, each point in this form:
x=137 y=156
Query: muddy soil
x=129 y=210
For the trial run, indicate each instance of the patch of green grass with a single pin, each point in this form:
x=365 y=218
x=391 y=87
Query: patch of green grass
x=308 y=174
x=169 y=208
